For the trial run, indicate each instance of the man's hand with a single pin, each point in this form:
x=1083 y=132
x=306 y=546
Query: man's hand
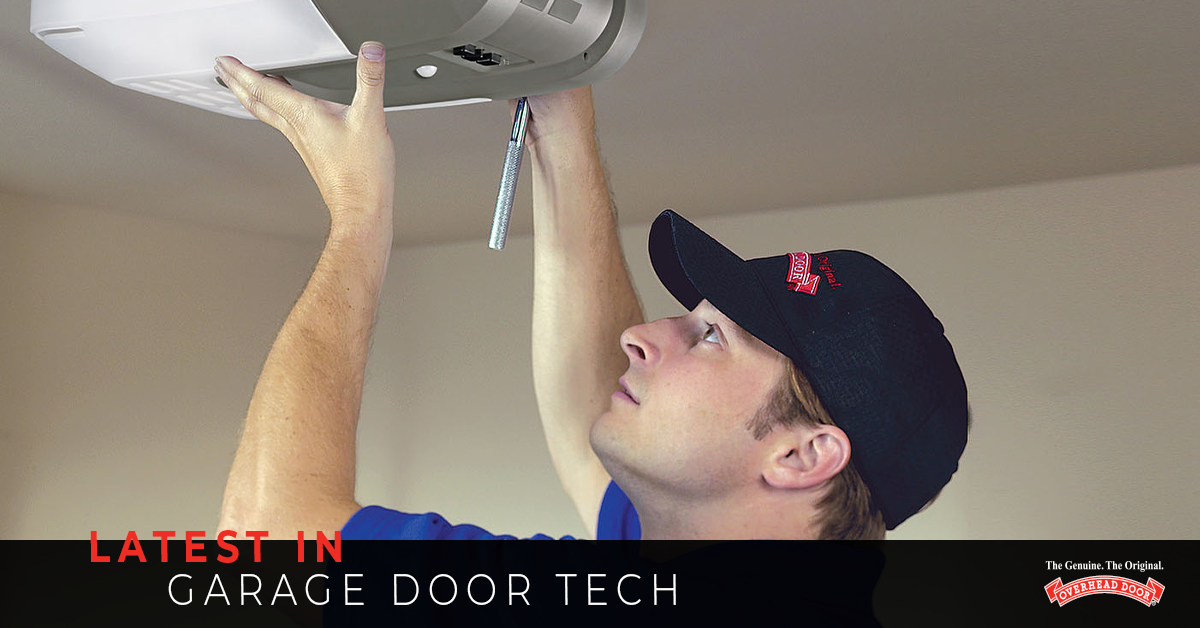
x=294 y=467
x=347 y=149
x=565 y=117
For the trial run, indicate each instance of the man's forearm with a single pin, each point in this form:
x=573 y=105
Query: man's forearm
x=583 y=300
x=299 y=437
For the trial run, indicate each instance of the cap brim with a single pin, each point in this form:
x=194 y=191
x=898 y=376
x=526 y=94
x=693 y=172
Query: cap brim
x=694 y=267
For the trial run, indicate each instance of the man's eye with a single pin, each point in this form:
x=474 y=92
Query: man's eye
x=711 y=335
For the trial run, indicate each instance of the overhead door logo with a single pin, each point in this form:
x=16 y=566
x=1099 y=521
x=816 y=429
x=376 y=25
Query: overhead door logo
x=798 y=277
x=1148 y=594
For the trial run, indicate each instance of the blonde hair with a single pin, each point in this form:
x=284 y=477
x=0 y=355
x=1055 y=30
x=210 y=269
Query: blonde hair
x=846 y=510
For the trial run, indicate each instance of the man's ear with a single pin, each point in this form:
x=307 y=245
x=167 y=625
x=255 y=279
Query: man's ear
x=805 y=457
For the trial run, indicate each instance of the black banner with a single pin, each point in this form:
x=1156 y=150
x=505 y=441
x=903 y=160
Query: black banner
x=890 y=583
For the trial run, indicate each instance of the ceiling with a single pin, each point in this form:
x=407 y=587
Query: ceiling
x=721 y=110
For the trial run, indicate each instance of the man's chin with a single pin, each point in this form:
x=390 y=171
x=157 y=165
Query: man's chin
x=603 y=439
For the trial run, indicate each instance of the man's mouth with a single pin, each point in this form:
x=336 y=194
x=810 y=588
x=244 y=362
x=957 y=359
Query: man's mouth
x=627 y=392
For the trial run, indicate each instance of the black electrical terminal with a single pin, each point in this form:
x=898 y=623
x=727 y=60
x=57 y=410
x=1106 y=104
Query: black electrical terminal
x=468 y=52
x=490 y=58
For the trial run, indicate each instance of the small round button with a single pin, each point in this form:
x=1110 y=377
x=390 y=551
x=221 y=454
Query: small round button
x=427 y=71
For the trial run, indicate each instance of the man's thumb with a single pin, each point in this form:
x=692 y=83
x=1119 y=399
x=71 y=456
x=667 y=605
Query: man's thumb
x=369 y=92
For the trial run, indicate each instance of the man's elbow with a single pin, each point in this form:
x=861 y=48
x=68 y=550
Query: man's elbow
x=326 y=516
x=240 y=517
x=241 y=514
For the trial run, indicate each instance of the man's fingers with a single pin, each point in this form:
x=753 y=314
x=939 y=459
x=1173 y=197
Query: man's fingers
x=256 y=107
x=368 y=95
x=272 y=93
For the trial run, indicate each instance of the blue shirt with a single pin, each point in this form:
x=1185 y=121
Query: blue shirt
x=618 y=520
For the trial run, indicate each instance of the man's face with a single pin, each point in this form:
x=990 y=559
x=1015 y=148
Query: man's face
x=679 y=424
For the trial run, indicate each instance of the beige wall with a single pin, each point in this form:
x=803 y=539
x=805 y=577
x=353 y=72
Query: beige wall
x=130 y=348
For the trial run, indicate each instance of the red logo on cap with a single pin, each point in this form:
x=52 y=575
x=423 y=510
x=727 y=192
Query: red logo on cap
x=798 y=278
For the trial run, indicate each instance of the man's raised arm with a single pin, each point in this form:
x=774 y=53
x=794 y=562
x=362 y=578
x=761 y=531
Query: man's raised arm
x=294 y=467
x=583 y=298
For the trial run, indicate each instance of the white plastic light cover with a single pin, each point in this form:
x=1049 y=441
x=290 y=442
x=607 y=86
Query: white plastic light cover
x=166 y=47
x=482 y=49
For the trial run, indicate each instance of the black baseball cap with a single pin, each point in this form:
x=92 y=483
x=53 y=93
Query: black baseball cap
x=872 y=350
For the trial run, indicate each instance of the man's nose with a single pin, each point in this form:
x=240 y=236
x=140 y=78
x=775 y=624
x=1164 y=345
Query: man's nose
x=637 y=344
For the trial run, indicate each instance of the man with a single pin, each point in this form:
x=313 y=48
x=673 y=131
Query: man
x=803 y=396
